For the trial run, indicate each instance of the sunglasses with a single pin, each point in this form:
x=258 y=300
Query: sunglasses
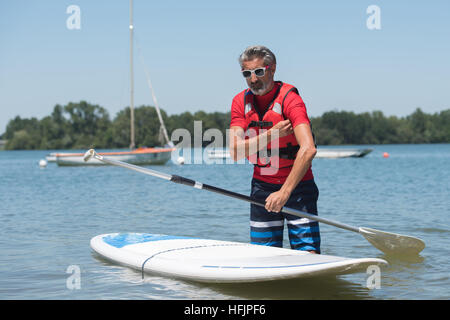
x=260 y=72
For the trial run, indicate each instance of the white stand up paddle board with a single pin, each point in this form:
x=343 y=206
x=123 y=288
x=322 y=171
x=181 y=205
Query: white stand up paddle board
x=219 y=261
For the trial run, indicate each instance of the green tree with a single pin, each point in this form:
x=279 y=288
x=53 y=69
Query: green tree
x=22 y=134
x=87 y=125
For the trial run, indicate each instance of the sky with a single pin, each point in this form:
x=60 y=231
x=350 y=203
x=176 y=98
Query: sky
x=329 y=50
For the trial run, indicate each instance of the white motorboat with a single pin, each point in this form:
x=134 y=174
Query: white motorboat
x=321 y=153
x=342 y=153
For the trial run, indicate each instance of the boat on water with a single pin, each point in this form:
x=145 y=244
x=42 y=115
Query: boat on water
x=321 y=153
x=139 y=156
x=218 y=154
x=51 y=157
x=342 y=153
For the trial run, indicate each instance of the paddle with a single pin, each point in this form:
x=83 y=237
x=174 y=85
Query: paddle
x=387 y=242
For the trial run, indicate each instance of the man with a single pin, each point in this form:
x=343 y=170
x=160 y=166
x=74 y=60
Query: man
x=270 y=126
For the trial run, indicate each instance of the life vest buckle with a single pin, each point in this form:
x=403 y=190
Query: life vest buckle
x=260 y=124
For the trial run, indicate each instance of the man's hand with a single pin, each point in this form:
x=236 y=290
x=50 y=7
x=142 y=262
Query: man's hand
x=276 y=201
x=284 y=128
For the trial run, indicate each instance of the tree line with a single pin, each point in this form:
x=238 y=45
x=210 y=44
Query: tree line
x=83 y=125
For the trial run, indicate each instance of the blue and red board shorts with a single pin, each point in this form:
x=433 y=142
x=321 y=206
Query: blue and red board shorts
x=266 y=228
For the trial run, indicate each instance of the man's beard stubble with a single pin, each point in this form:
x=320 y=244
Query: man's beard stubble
x=259 y=87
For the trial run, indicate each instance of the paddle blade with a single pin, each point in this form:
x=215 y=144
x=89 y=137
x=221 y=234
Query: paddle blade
x=392 y=243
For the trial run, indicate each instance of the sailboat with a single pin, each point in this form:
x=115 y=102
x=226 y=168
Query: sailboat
x=139 y=156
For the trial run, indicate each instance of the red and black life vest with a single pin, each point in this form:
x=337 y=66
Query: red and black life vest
x=256 y=121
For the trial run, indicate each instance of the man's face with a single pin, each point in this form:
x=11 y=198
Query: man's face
x=259 y=85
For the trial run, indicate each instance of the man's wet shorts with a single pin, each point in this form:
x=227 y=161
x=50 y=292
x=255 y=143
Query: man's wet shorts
x=266 y=228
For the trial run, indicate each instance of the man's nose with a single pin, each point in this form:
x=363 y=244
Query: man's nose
x=253 y=77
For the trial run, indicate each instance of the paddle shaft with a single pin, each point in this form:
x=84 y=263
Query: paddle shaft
x=199 y=185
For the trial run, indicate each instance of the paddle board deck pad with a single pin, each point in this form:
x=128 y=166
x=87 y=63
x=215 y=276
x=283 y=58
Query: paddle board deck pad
x=219 y=261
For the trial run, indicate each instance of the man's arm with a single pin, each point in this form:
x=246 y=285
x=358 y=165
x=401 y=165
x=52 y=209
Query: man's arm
x=275 y=201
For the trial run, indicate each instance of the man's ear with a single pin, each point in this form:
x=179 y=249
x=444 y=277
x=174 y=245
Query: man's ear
x=273 y=68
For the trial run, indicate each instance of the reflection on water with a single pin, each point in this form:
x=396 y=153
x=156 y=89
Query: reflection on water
x=319 y=287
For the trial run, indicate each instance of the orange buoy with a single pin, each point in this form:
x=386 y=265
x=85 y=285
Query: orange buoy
x=385 y=155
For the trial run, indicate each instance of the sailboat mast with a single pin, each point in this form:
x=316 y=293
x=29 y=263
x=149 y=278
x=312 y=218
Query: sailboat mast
x=132 y=143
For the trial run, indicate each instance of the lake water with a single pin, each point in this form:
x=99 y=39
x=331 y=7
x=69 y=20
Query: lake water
x=48 y=217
